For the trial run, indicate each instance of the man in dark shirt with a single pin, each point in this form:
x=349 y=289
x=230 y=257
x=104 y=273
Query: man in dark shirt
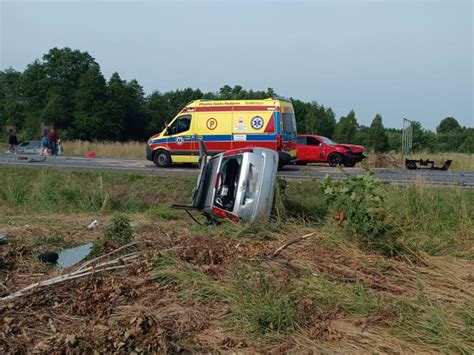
x=13 y=141
x=53 y=142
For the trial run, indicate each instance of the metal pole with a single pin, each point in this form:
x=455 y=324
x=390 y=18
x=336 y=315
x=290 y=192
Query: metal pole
x=407 y=136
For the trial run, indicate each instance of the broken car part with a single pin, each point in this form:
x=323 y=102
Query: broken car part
x=70 y=257
x=426 y=164
x=49 y=257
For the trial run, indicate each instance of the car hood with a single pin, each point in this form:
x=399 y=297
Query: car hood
x=352 y=147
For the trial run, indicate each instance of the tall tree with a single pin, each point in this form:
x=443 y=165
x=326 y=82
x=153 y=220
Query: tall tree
x=378 y=138
x=326 y=122
x=11 y=98
x=448 y=125
x=301 y=109
x=423 y=140
x=124 y=102
x=56 y=111
x=317 y=120
x=363 y=136
x=394 y=139
x=346 y=129
x=91 y=120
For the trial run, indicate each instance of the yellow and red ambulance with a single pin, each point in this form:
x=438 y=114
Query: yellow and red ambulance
x=224 y=125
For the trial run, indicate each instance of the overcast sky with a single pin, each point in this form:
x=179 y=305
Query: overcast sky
x=410 y=59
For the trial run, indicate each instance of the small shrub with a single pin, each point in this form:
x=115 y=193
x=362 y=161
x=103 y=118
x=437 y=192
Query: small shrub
x=118 y=233
x=359 y=204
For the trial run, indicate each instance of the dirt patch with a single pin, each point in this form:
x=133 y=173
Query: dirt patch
x=387 y=161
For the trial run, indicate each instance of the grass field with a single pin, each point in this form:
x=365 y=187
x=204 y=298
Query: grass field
x=217 y=288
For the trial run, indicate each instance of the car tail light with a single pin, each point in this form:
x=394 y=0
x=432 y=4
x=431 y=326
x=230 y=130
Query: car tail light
x=221 y=213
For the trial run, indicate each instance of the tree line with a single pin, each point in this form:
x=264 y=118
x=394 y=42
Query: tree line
x=67 y=89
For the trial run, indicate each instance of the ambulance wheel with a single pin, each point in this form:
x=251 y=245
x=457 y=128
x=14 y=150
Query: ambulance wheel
x=162 y=159
x=335 y=159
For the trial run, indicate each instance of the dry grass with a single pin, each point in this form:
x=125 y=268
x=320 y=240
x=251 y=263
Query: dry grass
x=106 y=149
x=212 y=289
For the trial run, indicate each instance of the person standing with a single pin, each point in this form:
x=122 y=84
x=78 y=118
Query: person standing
x=44 y=144
x=12 y=141
x=60 y=148
x=53 y=142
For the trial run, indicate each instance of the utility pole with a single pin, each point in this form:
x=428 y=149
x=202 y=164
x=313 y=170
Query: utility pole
x=407 y=136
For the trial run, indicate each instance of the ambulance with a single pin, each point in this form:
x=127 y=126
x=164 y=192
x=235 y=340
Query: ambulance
x=226 y=125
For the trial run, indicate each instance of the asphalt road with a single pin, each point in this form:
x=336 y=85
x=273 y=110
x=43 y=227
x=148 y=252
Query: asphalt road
x=397 y=176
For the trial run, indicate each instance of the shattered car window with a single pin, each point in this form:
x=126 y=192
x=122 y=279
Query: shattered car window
x=228 y=179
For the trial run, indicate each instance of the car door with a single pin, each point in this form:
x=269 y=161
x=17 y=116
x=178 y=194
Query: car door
x=315 y=149
x=303 y=148
x=180 y=136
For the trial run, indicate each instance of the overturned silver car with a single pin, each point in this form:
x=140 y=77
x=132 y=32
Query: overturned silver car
x=237 y=184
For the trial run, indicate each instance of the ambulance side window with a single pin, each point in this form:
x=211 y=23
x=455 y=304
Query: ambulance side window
x=182 y=124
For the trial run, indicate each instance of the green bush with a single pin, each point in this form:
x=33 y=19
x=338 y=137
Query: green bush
x=359 y=204
x=118 y=233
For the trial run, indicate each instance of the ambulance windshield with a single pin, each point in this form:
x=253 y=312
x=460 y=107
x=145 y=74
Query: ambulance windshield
x=289 y=123
x=182 y=124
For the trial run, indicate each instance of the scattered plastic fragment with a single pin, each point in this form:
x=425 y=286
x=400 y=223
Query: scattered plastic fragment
x=3 y=239
x=90 y=154
x=93 y=225
x=37 y=159
x=71 y=256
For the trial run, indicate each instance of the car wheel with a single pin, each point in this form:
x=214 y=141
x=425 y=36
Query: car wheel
x=349 y=164
x=162 y=159
x=335 y=159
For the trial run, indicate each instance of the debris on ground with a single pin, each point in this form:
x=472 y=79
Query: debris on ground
x=91 y=267
x=412 y=164
x=49 y=257
x=72 y=256
x=292 y=241
x=180 y=292
x=387 y=161
x=32 y=159
x=93 y=225
x=90 y=154
x=3 y=239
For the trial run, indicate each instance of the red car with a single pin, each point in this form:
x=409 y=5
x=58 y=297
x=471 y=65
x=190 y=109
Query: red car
x=318 y=149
